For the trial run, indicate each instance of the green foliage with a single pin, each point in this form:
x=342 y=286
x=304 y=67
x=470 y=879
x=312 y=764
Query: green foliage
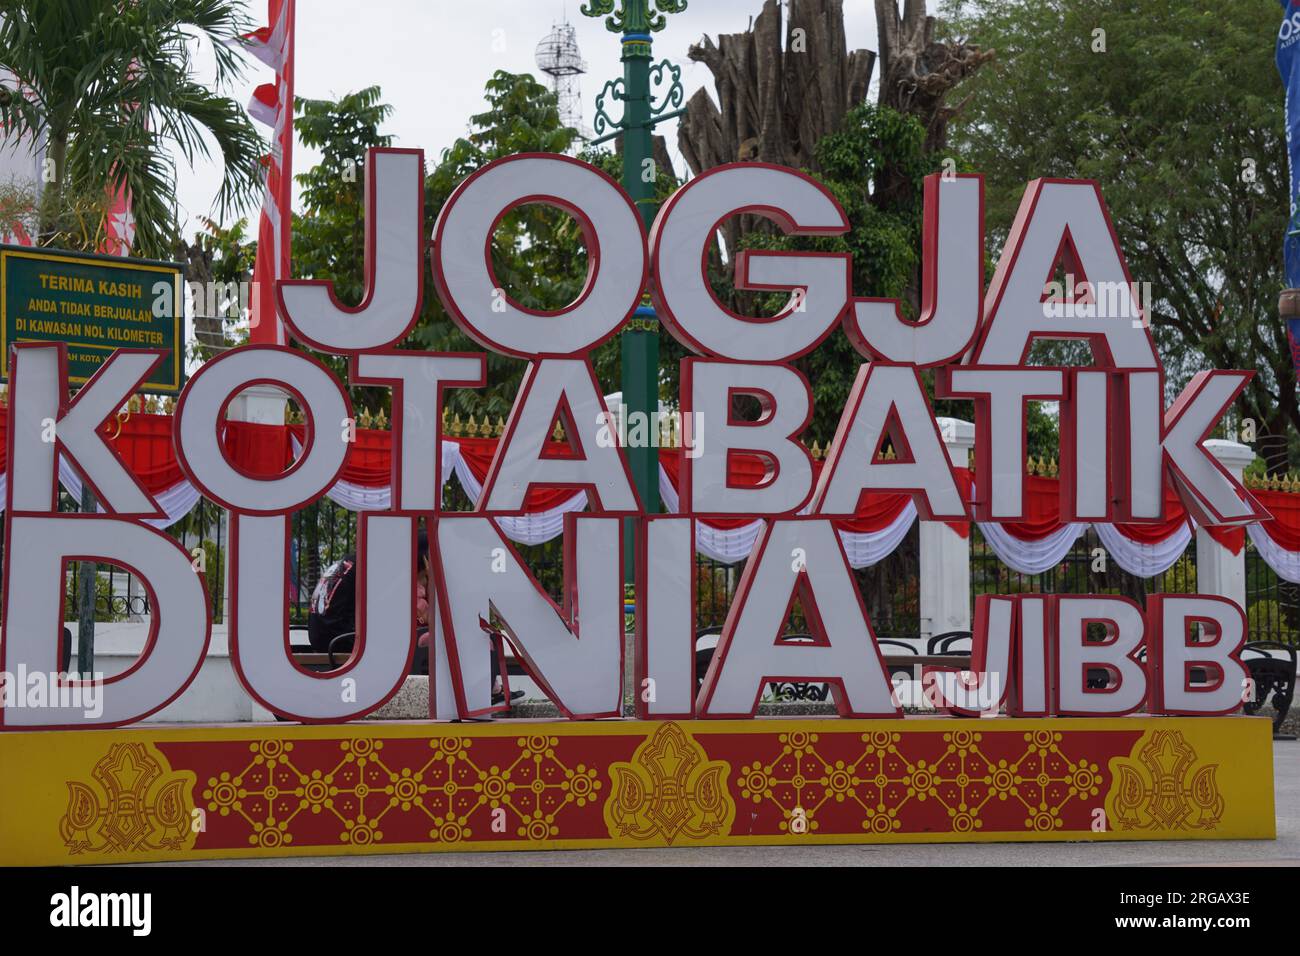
x=329 y=236
x=884 y=239
x=111 y=85
x=194 y=531
x=523 y=116
x=18 y=205
x=214 y=574
x=1180 y=118
x=874 y=165
x=1262 y=619
x=1180 y=578
x=537 y=255
x=231 y=253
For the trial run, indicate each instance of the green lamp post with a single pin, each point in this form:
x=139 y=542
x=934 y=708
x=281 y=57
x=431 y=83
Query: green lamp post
x=650 y=94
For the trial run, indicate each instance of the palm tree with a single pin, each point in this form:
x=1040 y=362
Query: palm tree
x=109 y=85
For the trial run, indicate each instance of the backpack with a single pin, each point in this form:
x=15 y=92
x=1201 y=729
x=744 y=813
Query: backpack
x=333 y=607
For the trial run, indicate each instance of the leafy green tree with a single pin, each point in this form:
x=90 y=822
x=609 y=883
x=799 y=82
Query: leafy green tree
x=873 y=144
x=874 y=165
x=329 y=236
x=220 y=263
x=537 y=254
x=105 y=611
x=1176 y=108
x=110 y=84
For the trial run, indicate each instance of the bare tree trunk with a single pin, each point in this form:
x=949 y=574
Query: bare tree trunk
x=51 y=208
x=214 y=299
x=916 y=75
x=916 y=72
x=198 y=260
x=781 y=88
x=659 y=151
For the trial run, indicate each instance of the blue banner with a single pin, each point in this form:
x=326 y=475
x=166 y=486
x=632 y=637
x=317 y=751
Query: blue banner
x=1288 y=64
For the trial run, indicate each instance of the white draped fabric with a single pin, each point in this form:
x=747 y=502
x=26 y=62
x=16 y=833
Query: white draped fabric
x=727 y=545
x=176 y=502
x=356 y=497
x=1285 y=563
x=735 y=544
x=866 y=549
x=1043 y=554
x=1031 y=557
x=1137 y=557
x=730 y=545
x=525 y=529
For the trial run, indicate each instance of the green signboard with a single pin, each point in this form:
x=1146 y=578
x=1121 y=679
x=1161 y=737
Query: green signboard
x=95 y=304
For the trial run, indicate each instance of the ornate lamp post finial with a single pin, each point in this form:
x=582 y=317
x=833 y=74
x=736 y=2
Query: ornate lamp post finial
x=633 y=16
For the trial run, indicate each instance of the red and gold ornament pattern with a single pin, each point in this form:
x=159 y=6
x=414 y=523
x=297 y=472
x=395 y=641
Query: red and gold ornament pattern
x=284 y=790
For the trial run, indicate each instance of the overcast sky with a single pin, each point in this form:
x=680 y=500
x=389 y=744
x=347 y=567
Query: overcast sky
x=432 y=58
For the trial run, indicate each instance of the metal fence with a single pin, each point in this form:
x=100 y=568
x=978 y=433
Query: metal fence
x=120 y=596
x=890 y=592
x=202 y=533
x=1086 y=569
x=1272 y=605
x=320 y=535
x=325 y=532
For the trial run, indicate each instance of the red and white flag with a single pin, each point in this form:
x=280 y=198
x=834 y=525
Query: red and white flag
x=119 y=224
x=268 y=43
x=15 y=234
x=272 y=104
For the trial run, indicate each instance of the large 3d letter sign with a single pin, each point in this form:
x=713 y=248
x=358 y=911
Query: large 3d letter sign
x=1034 y=655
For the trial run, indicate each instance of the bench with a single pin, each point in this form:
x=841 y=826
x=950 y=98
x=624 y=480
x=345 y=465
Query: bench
x=903 y=664
x=1272 y=667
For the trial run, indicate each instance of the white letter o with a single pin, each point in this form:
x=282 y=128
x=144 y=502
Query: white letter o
x=200 y=415
x=616 y=255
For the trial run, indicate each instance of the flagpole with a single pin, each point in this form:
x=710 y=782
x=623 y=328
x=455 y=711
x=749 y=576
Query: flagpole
x=272 y=104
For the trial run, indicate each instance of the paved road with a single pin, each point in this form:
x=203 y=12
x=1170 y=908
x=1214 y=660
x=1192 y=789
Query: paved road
x=1284 y=851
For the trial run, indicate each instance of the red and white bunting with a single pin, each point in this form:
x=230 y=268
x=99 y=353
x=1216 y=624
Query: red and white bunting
x=272 y=104
x=265 y=104
x=268 y=43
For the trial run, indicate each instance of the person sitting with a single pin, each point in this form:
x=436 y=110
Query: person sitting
x=332 y=614
x=332 y=611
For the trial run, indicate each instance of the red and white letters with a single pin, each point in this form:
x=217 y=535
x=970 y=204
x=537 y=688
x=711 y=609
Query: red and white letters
x=679 y=249
x=1039 y=654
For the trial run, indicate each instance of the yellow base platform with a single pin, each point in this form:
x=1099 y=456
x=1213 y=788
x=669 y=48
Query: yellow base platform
x=177 y=792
